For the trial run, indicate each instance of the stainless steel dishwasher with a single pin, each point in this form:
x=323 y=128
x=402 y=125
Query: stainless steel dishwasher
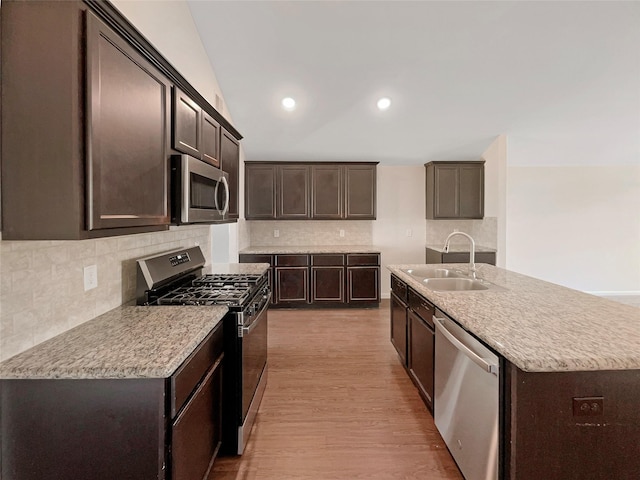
x=466 y=396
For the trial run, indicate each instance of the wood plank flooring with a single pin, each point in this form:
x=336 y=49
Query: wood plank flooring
x=338 y=405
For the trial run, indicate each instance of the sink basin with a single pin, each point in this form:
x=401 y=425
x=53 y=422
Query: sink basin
x=455 y=284
x=422 y=273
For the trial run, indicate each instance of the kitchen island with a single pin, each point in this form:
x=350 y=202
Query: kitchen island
x=557 y=347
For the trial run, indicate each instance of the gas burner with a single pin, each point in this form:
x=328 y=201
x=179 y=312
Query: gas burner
x=223 y=279
x=206 y=295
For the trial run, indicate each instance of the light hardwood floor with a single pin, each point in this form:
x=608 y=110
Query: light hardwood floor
x=338 y=405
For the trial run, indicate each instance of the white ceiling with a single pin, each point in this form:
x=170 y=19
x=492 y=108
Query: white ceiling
x=562 y=74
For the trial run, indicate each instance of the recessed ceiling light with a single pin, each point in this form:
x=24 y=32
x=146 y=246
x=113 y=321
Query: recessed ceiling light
x=384 y=103
x=289 y=104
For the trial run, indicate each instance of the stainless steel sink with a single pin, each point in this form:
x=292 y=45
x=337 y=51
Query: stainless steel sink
x=425 y=273
x=455 y=284
x=448 y=280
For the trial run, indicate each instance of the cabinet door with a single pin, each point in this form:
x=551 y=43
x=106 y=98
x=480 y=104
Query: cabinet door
x=127 y=103
x=292 y=284
x=327 y=284
x=360 y=192
x=398 y=311
x=196 y=432
x=293 y=187
x=421 y=356
x=187 y=123
x=230 y=163
x=446 y=196
x=471 y=191
x=210 y=140
x=363 y=284
x=260 y=192
x=327 y=192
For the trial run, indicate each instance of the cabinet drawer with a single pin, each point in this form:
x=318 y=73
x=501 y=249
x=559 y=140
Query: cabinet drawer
x=399 y=288
x=363 y=259
x=292 y=260
x=189 y=374
x=327 y=260
x=422 y=307
x=256 y=258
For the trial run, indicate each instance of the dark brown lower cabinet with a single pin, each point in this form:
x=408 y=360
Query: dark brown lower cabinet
x=363 y=284
x=436 y=256
x=327 y=284
x=420 y=356
x=399 y=327
x=292 y=284
x=326 y=279
x=105 y=429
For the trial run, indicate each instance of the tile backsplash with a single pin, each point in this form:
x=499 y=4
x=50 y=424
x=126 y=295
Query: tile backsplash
x=484 y=231
x=310 y=232
x=42 y=287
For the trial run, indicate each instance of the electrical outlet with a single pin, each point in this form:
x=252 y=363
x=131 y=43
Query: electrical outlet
x=276 y=233
x=409 y=232
x=588 y=406
x=341 y=233
x=90 y=277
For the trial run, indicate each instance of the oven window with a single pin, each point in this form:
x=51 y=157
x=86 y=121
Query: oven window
x=203 y=192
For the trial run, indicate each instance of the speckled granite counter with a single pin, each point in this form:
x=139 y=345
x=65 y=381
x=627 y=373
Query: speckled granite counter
x=293 y=249
x=240 y=268
x=126 y=342
x=540 y=326
x=462 y=248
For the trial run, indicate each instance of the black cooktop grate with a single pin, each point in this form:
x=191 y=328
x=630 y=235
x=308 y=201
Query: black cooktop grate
x=206 y=295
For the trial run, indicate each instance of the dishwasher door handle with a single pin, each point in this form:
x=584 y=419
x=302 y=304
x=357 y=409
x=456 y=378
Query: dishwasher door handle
x=481 y=362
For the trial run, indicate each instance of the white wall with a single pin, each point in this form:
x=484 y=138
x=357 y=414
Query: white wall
x=400 y=208
x=495 y=186
x=578 y=226
x=169 y=26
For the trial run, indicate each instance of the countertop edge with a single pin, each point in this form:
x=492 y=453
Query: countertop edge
x=528 y=350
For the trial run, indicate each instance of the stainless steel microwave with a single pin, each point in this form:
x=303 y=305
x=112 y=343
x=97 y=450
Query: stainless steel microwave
x=200 y=191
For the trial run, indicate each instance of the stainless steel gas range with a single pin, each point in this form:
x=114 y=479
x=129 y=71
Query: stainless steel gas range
x=179 y=278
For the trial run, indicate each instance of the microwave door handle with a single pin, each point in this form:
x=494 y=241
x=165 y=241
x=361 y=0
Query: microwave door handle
x=226 y=195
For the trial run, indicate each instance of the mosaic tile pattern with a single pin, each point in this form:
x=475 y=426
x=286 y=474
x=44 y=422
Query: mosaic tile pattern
x=42 y=292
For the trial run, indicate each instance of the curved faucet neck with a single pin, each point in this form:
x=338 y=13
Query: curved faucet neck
x=472 y=251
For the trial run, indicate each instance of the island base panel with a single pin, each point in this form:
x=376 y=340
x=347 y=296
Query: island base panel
x=552 y=440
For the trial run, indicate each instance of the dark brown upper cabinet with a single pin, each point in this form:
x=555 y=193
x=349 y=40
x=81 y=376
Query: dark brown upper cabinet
x=293 y=194
x=327 y=199
x=230 y=163
x=82 y=156
x=86 y=110
x=127 y=108
x=360 y=192
x=260 y=191
x=454 y=190
x=310 y=191
x=195 y=132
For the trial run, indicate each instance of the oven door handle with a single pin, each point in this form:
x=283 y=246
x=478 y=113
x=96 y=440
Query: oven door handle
x=247 y=330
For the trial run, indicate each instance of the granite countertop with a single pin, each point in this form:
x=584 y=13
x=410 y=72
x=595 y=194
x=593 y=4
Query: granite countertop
x=540 y=326
x=239 y=268
x=463 y=248
x=126 y=342
x=293 y=249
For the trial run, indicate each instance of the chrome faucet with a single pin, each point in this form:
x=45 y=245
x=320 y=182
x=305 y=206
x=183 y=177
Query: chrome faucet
x=472 y=253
